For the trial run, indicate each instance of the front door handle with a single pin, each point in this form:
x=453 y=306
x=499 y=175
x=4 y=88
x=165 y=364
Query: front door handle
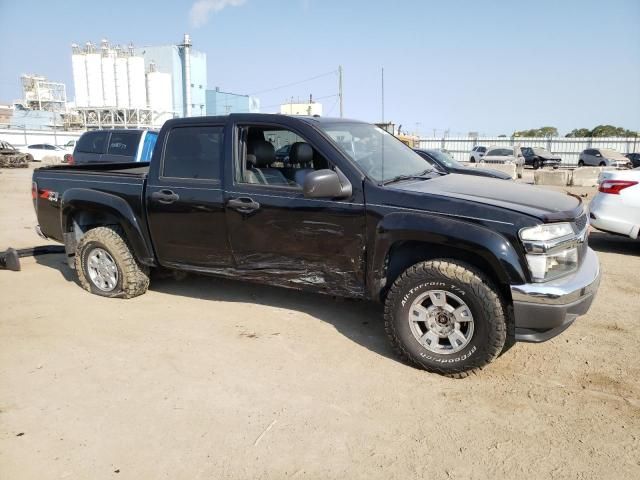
x=165 y=196
x=243 y=204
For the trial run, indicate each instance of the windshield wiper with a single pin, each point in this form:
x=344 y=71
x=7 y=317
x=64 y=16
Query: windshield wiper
x=414 y=176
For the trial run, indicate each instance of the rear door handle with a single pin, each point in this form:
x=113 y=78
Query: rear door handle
x=243 y=204
x=165 y=196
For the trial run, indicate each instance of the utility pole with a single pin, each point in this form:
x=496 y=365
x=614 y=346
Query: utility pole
x=340 y=89
x=382 y=94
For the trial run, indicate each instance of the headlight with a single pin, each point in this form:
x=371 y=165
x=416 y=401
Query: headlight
x=546 y=231
x=544 y=267
x=551 y=250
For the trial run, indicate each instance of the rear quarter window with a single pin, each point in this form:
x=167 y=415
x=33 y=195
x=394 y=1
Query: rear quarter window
x=193 y=153
x=124 y=144
x=92 y=142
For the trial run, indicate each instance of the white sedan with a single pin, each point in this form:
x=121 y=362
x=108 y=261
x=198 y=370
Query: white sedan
x=616 y=206
x=44 y=151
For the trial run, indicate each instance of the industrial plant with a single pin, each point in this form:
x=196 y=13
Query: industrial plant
x=119 y=86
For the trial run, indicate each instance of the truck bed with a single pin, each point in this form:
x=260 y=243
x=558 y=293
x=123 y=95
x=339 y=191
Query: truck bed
x=123 y=180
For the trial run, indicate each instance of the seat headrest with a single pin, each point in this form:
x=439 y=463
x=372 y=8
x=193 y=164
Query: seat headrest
x=301 y=152
x=263 y=152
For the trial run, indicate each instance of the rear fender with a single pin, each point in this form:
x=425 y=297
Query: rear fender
x=79 y=204
x=437 y=234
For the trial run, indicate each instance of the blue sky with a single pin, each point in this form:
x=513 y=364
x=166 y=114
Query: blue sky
x=487 y=66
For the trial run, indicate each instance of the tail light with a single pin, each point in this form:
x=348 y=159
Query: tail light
x=615 y=186
x=69 y=159
x=34 y=190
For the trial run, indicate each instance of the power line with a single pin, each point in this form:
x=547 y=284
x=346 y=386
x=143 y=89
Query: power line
x=333 y=72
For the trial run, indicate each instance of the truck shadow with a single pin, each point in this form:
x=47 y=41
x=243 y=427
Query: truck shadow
x=609 y=243
x=360 y=321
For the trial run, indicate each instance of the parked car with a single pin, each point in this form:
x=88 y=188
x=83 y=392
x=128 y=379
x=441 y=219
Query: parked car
x=115 y=146
x=477 y=153
x=616 y=206
x=506 y=155
x=602 y=157
x=44 y=151
x=454 y=261
x=538 y=157
x=11 y=157
x=635 y=159
x=282 y=154
x=444 y=162
x=70 y=145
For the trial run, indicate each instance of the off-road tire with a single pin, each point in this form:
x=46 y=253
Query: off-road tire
x=133 y=278
x=477 y=291
x=536 y=164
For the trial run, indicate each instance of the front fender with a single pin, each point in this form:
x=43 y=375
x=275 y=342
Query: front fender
x=493 y=248
x=77 y=200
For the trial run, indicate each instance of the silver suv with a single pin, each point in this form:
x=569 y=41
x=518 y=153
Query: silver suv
x=602 y=157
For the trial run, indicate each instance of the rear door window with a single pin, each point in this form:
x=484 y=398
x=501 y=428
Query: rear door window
x=123 y=144
x=92 y=142
x=193 y=152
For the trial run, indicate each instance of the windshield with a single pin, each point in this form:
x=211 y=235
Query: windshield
x=379 y=154
x=445 y=158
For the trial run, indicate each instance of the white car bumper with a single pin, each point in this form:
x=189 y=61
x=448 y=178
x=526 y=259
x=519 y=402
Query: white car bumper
x=610 y=213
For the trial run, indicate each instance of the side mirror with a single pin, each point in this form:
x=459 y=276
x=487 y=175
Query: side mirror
x=326 y=184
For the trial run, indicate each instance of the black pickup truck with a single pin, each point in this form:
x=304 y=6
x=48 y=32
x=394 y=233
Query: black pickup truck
x=463 y=265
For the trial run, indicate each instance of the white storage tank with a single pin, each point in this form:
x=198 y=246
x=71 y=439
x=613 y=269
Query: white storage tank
x=159 y=92
x=109 y=78
x=122 y=82
x=94 y=79
x=137 y=90
x=79 y=67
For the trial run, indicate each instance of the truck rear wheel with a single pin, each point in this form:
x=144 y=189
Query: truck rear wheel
x=446 y=317
x=106 y=266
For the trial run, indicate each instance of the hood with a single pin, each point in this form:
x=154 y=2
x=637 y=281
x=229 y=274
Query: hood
x=547 y=205
x=547 y=155
x=482 y=172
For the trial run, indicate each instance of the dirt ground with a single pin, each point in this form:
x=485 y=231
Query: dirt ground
x=210 y=379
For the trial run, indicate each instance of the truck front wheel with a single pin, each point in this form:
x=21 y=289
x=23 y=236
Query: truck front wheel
x=106 y=266
x=446 y=317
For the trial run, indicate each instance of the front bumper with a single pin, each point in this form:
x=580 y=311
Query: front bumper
x=544 y=310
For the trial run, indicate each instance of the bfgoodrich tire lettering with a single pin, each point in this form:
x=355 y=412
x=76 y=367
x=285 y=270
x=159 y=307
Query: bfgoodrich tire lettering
x=132 y=277
x=477 y=292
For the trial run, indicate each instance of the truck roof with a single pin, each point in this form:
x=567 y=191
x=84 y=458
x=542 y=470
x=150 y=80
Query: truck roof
x=262 y=117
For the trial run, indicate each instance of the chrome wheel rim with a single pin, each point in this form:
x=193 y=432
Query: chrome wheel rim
x=441 y=322
x=102 y=269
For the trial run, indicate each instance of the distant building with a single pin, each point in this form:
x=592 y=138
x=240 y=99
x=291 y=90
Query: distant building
x=188 y=70
x=309 y=108
x=6 y=112
x=224 y=103
x=38 y=93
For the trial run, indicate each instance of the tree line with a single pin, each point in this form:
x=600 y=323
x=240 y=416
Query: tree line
x=599 y=131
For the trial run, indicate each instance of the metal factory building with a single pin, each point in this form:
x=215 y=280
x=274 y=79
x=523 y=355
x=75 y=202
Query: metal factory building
x=224 y=103
x=188 y=70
